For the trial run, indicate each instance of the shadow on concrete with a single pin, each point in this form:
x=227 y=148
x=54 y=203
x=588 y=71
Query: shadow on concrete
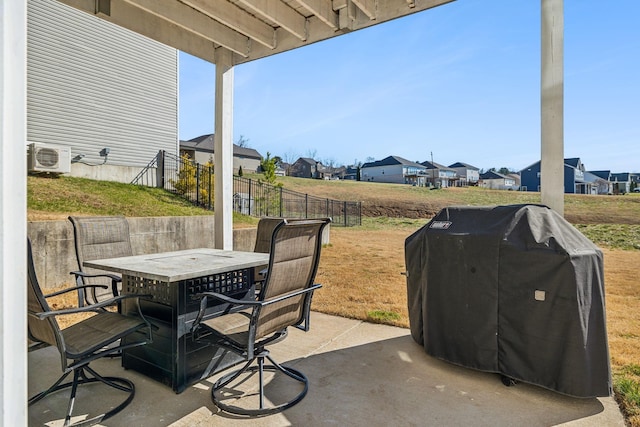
x=360 y=375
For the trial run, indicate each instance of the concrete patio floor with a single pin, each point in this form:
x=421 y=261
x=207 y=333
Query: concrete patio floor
x=360 y=374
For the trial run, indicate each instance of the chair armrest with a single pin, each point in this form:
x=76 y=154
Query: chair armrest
x=251 y=303
x=75 y=288
x=90 y=308
x=83 y=274
x=226 y=298
x=290 y=295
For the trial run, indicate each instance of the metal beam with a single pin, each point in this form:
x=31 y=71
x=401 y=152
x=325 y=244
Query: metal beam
x=552 y=105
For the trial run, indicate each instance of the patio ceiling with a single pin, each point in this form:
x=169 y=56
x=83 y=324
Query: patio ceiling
x=249 y=29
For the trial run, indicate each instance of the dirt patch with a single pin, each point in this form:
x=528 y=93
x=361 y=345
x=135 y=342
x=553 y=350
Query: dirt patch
x=393 y=209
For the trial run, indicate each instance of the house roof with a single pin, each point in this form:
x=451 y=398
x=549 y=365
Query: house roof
x=463 y=165
x=391 y=161
x=493 y=175
x=602 y=174
x=620 y=177
x=308 y=160
x=434 y=165
x=573 y=162
x=204 y=143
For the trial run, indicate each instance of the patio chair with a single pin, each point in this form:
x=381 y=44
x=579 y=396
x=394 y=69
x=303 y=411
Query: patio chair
x=98 y=238
x=293 y=262
x=264 y=233
x=81 y=343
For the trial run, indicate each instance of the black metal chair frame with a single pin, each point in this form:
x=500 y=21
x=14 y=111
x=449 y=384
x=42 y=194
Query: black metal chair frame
x=255 y=350
x=49 y=333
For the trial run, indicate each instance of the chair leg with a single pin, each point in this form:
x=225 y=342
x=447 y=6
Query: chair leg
x=260 y=368
x=80 y=378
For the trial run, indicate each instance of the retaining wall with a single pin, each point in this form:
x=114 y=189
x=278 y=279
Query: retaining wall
x=54 y=252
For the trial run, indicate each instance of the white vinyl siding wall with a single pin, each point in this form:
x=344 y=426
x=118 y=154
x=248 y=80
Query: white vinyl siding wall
x=389 y=173
x=92 y=84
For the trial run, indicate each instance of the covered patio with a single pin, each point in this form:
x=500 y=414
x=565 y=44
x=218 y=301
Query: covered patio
x=361 y=374
x=228 y=33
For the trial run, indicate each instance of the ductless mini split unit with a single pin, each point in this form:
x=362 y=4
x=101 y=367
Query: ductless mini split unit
x=49 y=158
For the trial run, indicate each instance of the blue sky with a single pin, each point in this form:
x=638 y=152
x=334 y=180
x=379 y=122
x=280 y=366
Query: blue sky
x=460 y=82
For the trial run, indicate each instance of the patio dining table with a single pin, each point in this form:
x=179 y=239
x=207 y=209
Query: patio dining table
x=173 y=279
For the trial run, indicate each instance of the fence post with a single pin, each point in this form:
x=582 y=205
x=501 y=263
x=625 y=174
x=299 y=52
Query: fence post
x=160 y=169
x=280 y=202
x=249 y=192
x=345 y=213
x=198 y=183
x=306 y=205
x=209 y=192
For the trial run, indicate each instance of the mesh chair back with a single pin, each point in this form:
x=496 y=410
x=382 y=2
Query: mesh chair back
x=98 y=238
x=264 y=233
x=293 y=262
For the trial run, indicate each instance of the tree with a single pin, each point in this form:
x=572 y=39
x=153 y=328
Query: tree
x=243 y=142
x=240 y=173
x=268 y=166
x=312 y=154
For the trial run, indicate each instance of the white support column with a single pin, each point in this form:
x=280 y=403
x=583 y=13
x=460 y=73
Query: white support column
x=13 y=213
x=223 y=151
x=552 y=105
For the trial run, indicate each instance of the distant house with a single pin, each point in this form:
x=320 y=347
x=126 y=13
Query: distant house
x=281 y=169
x=601 y=181
x=394 y=169
x=439 y=175
x=467 y=174
x=200 y=150
x=621 y=183
x=306 y=167
x=351 y=173
x=497 y=181
x=516 y=179
x=574 y=178
x=635 y=181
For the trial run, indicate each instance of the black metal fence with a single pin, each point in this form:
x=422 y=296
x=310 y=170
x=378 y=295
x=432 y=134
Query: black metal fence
x=252 y=197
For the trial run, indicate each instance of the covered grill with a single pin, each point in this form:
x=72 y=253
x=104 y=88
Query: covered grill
x=515 y=290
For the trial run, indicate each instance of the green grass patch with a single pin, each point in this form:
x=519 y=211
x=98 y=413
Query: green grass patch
x=616 y=236
x=382 y=316
x=627 y=392
x=383 y=222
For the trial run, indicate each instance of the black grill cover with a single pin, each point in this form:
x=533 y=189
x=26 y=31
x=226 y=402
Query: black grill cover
x=515 y=290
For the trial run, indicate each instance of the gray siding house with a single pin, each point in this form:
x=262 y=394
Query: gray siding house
x=394 y=169
x=497 y=181
x=440 y=175
x=306 y=167
x=93 y=85
x=467 y=174
x=200 y=150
